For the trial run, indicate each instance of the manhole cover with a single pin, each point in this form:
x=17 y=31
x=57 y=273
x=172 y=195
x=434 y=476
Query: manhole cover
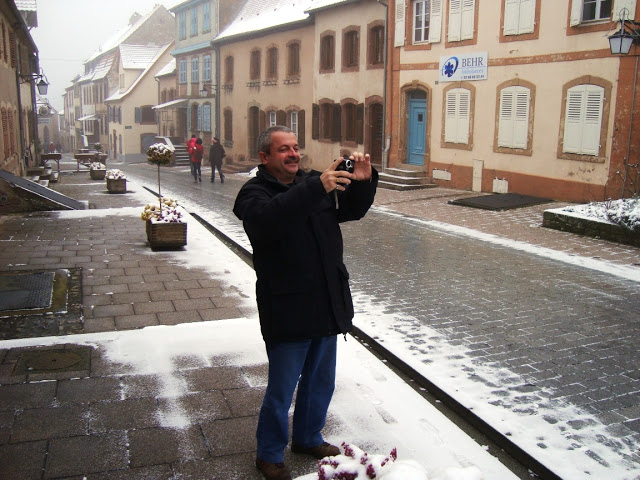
x=52 y=361
x=26 y=291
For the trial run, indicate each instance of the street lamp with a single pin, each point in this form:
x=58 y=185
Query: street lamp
x=621 y=41
x=40 y=80
x=203 y=91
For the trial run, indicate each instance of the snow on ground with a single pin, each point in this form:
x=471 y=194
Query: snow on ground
x=381 y=411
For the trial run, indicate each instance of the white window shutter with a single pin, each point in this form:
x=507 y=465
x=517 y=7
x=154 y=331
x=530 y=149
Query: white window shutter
x=435 y=21
x=455 y=20
x=505 y=121
x=451 y=117
x=576 y=12
x=527 y=17
x=511 y=16
x=618 y=5
x=521 y=118
x=467 y=22
x=573 y=120
x=592 y=119
x=398 y=40
x=464 y=108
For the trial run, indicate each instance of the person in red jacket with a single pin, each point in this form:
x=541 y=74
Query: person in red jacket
x=190 y=144
x=197 y=152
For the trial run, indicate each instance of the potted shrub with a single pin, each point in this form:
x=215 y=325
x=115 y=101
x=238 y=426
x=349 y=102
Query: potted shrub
x=165 y=226
x=97 y=170
x=116 y=181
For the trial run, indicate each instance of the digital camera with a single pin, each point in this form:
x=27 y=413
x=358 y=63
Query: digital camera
x=346 y=164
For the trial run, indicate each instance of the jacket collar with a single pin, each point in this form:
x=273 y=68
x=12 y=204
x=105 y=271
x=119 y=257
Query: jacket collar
x=267 y=177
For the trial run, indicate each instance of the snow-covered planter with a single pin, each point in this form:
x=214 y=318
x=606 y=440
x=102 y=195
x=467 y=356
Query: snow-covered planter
x=97 y=170
x=614 y=220
x=164 y=224
x=116 y=181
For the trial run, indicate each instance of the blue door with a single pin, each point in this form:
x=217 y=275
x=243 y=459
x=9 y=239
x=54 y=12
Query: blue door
x=417 y=131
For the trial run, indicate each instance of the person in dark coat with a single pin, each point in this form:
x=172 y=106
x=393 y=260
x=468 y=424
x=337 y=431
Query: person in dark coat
x=216 y=155
x=304 y=301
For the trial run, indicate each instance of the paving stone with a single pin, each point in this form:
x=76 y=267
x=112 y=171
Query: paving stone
x=22 y=461
x=231 y=436
x=199 y=406
x=46 y=423
x=27 y=395
x=153 y=446
x=215 y=378
x=85 y=390
x=123 y=414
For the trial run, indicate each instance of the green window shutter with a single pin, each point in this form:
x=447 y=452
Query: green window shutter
x=360 y=124
x=336 y=126
x=138 y=115
x=315 y=121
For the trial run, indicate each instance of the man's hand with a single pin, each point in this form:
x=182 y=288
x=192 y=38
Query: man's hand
x=332 y=179
x=361 y=166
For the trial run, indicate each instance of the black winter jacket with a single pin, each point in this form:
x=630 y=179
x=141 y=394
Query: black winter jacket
x=302 y=286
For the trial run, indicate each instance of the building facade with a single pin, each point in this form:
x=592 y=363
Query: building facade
x=526 y=98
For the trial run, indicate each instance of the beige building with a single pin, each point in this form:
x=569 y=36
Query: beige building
x=132 y=118
x=308 y=66
x=516 y=96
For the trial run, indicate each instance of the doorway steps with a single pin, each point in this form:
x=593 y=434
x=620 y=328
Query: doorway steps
x=405 y=177
x=181 y=154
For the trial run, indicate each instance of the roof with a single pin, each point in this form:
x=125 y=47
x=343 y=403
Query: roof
x=169 y=104
x=99 y=71
x=26 y=5
x=260 y=15
x=168 y=69
x=139 y=57
x=121 y=35
x=325 y=4
x=120 y=95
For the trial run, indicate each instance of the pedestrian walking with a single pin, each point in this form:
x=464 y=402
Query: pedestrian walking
x=216 y=155
x=191 y=143
x=292 y=220
x=196 y=160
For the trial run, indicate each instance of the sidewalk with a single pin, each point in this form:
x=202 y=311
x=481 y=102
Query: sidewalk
x=154 y=367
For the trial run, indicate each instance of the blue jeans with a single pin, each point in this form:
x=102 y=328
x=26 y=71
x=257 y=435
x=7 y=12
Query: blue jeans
x=311 y=364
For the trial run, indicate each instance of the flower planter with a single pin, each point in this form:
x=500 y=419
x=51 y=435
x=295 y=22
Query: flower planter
x=163 y=235
x=117 y=185
x=97 y=174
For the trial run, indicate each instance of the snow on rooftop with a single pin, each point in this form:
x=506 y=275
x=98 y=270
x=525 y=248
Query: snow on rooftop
x=258 y=15
x=139 y=56
x=26 y=5
x=168 y=69
x=122 y=34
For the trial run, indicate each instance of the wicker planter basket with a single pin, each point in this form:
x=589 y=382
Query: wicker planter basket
x=166 y=235
x=97 y=174
x=117 y=185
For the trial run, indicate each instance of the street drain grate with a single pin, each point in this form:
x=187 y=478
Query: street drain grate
x=26 y=290
x=53 y=360
x=39 y=303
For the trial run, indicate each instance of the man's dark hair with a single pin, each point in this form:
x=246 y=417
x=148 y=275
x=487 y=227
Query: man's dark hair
x=199 y=141
x=264 y=140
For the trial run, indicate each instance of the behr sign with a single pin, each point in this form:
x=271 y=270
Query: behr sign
x=458 y=68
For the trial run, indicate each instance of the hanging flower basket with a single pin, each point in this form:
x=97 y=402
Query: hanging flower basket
x=116 y=181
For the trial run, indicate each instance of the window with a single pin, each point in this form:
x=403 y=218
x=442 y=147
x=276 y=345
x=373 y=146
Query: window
x=327 y=52
x=326 y=117
x=182 y=25
x=206 y=67
x=194 y=21
x=513 y=122
x=583 y=119
x=293 y=121
x=228 y=70
x=254 y=67
x=195 y=73
x=294 y=59
x=5 y=132
x=351 y=50
x=206 y=17
x=519 y=17
x=228 y=126
x=461 y=20
x=12 y=132
x=596 y=10
x=145 y=114
x=182 y=69
x=272 y=63
x=206 y=117
x=375 y=46
x=421 y=14
x=199 y=117
x=457 y=115
x=272 y=119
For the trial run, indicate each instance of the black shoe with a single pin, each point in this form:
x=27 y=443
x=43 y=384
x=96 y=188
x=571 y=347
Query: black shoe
x=200 y=179
x=212 y=180
x=221 y=178
x=319 y=452
x=273 y=471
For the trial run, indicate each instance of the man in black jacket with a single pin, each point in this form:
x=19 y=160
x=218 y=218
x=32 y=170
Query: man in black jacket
x=292 y=220
x=216 y=155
